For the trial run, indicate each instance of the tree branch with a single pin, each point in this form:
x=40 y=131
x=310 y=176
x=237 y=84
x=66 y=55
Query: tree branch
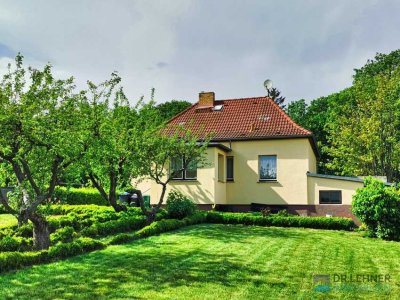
x=94 y=179
x=28 y=175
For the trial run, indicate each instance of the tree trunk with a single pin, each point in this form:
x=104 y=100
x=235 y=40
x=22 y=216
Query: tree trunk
x=117 y=207
x=41 y=233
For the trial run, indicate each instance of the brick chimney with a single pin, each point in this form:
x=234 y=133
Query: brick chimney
x=206 y=99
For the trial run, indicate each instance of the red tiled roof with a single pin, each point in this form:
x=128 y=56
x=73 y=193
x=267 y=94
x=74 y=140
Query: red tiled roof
x=245 y=118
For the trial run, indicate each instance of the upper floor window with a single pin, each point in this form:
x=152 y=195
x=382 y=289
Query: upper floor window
x=330 y=197
x=179 y=172
x=267 y=167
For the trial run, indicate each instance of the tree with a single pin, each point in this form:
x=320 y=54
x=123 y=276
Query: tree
x=109 y=161
x=365 y=139
x=41 y=134
x=154 y=152
x=275 y=95
x=171 y=108
x=297 y=111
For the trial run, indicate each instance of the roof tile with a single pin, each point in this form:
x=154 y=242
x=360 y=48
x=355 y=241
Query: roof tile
x=244 y=118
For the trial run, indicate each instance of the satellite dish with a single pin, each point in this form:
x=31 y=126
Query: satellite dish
x=268 y=84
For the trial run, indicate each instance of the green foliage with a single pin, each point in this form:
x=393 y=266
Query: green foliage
x=109 y=227
x=12 y=243
x=365 y=136
x=15 y=260
x=56 y=209
x=78 y=196
x=378 y=207
x=297 y=111
x=179 y=206
x=281 y=221
x=159 y=227
x=63 y=235
x=79 y=246
x=170 y=109
x=275 y=95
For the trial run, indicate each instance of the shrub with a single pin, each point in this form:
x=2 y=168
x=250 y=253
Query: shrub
x=127 y=223
x=14 y=260
x=12 y=243
x=76 y=196
x=57 y=209
x=274 y=220
x=79 y=246
x=64 y=235
x=378 y=207
x=265 y=212
x=25 y=230
x=179 y=206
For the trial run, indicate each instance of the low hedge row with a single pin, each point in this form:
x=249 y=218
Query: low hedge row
x=64 y=209
x=115 y=226
x=159 y=227
x=76 y=196
x=281 y=221
x=14 y=260
x=15 y=243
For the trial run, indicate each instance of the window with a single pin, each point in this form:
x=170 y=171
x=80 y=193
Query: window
x=221 y=168
x=267 y=167
x=330 y=197
x=229 y=168
x=177 y=172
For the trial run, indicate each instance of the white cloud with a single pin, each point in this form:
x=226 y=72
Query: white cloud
x=308 y=48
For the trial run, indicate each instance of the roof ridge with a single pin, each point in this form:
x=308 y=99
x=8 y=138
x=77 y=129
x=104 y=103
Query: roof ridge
x=286 y=116
x=181 y=113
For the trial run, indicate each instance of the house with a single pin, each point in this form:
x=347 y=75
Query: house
x=258 y=157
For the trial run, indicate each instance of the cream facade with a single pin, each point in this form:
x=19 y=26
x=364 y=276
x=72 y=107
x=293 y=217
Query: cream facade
x=296 y=185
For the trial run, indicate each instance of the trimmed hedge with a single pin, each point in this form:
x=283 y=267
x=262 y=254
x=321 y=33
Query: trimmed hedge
x=159 y=227
x=63 y=209
x=290 y=221
x=75 y=196
x=14 y=260
x=12 y=243
x=115 y=226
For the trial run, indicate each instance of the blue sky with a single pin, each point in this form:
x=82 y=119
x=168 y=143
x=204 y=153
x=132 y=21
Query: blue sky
x=308 y=48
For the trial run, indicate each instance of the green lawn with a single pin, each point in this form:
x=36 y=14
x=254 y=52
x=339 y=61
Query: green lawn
x=217 y=262
x=7 y=220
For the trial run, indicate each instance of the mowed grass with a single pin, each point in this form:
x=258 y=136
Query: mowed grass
x=217 y=262
x=7 y=220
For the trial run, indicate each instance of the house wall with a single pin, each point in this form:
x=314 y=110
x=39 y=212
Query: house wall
x=202 y=190
x=294 y=158
x=293 y=162
x=316 y=184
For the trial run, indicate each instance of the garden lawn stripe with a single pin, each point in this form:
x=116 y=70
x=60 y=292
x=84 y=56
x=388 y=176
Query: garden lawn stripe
x=213 y=261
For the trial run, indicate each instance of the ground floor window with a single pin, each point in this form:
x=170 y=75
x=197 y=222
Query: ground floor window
x=267 y=167
x=178 y=171
x=330 y=197
x=229 y=168
x=221 y=168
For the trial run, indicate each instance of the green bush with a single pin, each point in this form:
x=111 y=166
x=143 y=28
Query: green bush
x=159 y=227
x=63 y=235
x=378 y=207
x=124 y=224
x=75 y=196
x=12 y=243
x=179 y=206
x=274 y=220
x=14 y=260
x=79 y=246
x=63 y=209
